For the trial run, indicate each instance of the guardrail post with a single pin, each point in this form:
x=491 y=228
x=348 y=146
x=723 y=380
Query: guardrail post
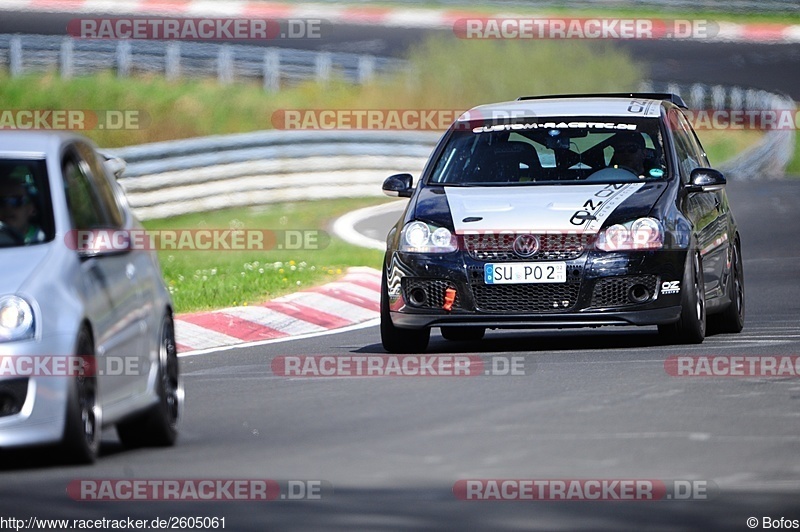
x=366 y=69
x=123 y=58
x=323 y=67
x=172 y=61
x=718 y=97
x=15 y=56
x=66 y=57
x=272 y=70
x=698 y=96
x=737 y=99
x=225 y=65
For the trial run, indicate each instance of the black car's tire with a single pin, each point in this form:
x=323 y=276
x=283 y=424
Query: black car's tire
x=394 y=339
x=463 y=334
x=731 y=320
x=158 y=426
x=691 y=326
x=82 y=427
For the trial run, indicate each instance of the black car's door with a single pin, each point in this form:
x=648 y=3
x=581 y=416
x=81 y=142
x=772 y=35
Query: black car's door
x=706 y=210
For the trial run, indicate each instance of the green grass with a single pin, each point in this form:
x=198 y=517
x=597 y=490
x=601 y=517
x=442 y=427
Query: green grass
x=201 y=280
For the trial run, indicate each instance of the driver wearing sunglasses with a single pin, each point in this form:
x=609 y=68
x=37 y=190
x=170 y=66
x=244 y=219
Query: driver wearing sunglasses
x=17 y=211
x=629 y=152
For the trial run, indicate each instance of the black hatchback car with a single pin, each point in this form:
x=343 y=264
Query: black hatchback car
x=563 y=211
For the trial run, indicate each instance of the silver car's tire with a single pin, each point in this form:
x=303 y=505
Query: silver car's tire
x=158 y=426
x=82 y=427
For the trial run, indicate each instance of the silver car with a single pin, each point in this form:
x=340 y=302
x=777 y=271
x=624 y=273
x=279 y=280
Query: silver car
x=86 y=331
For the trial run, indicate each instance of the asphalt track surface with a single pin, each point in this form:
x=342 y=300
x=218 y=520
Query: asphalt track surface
x=596 y=404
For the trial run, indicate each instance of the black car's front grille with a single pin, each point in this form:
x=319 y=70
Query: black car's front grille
x=616 y=291
x=12 y=396
x=559 y=297
x=500 y=247
x=427 y=293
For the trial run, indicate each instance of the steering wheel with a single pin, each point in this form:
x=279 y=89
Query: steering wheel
x=614 y=174
x=9 y=236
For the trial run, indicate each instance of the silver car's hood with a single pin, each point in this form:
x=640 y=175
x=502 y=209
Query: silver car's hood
x=19 y=263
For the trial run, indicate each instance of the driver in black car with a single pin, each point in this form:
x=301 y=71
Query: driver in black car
x=17 y=211
x=629 y=152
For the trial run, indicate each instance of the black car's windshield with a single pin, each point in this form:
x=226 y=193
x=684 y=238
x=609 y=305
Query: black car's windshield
x=26 y=214
x=553 y=150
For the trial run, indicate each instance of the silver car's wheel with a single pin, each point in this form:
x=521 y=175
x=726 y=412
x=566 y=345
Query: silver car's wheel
x=82 y=427
x=158 y=426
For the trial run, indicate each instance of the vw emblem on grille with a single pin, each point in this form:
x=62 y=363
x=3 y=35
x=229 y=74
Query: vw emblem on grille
x=526 y=245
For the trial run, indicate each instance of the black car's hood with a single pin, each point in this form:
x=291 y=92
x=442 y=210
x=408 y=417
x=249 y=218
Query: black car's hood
x=537 y=208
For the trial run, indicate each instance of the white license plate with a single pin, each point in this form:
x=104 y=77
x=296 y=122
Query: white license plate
x=525 y=272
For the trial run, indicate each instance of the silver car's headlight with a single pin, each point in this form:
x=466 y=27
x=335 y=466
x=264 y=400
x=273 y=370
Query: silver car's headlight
x=641 y=234
x=420 y=237
x=16 y=319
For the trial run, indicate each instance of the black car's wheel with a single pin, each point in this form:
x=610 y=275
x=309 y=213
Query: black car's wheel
x=691 y=326
x=731 y=320
x=82 y=428
x=463 y=334
x=394 y=339
x=157 y=427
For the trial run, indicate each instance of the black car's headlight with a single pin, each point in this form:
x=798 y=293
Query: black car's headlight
x=420 y=237
x=641 y=234
x=16 y=319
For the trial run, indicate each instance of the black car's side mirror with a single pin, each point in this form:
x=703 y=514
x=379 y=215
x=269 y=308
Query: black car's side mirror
x=398 y=185
x=705 y=180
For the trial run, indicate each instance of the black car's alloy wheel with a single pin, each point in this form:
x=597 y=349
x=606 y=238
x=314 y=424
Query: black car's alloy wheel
x=691 y=326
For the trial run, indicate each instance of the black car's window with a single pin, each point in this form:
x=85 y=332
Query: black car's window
x=687 y=147
x=90 y=200
x=552 y=150
x=26 y=210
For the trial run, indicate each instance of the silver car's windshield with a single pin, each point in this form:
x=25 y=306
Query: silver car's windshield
x=26 y=213
x=553 y=150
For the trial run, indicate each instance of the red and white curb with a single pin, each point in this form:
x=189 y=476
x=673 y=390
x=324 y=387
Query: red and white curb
x=348 y=14
x=351 y=300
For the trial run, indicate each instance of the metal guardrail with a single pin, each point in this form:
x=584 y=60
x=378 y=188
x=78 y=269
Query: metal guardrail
x=178 y=177
x=274 y=67
x=769 y=157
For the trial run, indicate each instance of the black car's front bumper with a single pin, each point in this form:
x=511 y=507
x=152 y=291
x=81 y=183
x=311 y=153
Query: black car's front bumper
x=597 y=292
